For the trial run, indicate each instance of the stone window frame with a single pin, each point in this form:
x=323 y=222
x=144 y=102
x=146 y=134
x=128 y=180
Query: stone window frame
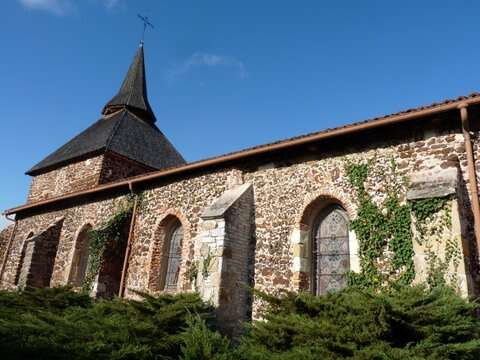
x=74 y=250
x=159 y=247
x=301 y=236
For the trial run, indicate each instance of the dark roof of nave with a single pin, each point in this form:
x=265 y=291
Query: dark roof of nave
x=123 y=133
x=399 y=117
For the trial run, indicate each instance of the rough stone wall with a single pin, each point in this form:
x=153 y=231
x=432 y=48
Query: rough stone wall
x=73 y=177
x=75 y=218
x=116 y=167
x=222 y=253
x=84 y=175
x=184 y=199
x=107 y=284
x=4 y=238
x=38 y=257
x=283 y=193
x=234 y=297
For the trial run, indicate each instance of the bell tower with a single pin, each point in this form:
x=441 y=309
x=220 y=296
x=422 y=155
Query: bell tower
x=124 y=142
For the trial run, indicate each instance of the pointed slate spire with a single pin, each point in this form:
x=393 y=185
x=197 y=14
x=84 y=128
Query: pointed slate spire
x=133 y=92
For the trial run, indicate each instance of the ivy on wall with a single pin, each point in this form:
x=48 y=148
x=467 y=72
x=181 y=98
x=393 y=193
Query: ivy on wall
x=385 y=233
x=192 y=273
x=433 y=224
x=107 y=235
x=381 y=229
x=200 y=266
x=206 y=264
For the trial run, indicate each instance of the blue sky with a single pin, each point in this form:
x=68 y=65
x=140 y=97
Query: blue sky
x=224 y=75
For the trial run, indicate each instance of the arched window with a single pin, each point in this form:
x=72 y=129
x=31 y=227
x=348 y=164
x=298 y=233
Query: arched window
x=174 y=256
x=78 y=267
x=331 y=259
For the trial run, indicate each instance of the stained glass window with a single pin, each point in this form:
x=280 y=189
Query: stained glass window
x=331 y=259
x=174 y=258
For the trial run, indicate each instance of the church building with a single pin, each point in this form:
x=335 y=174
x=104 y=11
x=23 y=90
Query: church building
x=117 y=209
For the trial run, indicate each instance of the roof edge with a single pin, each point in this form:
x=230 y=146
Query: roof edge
x=349 y=129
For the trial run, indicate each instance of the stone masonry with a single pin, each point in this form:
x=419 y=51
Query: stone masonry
x=84 y=174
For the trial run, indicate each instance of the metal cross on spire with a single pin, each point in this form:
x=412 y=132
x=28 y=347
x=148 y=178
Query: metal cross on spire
x=146 y=23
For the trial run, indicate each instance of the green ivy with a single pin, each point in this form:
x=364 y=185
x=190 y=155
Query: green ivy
x=378 y=227
x=107 y=235
x=192 y=273
x=431 y=229
x=424 y=209
x=389 y=227
x=207 y=262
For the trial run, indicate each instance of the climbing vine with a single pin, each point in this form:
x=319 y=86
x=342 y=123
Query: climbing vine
x=206 y=263
x=385 y=234
x=433 y=224
x=107 y=235
x=192 y=273
x=424 y=209
x=202 y=266
x=381 y=229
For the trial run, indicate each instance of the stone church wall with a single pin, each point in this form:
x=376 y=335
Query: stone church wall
x=74 y=218
x=223 y=253
x=4 y=239
x=38 y=257
x=116 y=167
x=83 y=175
x=184 y=199
x=237 y=272
x=78 y=176
x=283 y=194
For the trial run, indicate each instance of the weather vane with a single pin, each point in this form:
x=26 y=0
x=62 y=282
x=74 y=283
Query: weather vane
x=146 y=23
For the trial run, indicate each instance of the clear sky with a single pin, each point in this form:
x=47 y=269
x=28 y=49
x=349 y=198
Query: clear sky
x=224 y=75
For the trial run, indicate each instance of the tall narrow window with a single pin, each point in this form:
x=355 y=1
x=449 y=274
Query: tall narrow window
x=174 y=257
x=331 y=259
x=80 y=258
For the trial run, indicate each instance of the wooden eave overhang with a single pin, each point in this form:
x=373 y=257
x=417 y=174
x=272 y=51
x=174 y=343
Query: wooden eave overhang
x=130 y=183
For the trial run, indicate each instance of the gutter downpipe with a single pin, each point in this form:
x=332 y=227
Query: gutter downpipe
x=121 y=290
x=7 y=250
x=472 y=176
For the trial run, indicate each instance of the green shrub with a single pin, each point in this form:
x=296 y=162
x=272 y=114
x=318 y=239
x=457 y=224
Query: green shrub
x=201 y=343
x=407 y=323
x=61 y=324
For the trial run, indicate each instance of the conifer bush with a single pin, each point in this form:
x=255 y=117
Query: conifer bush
x=201 y=343
x=406 y=323
x=61 y=324
x=403 y=323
